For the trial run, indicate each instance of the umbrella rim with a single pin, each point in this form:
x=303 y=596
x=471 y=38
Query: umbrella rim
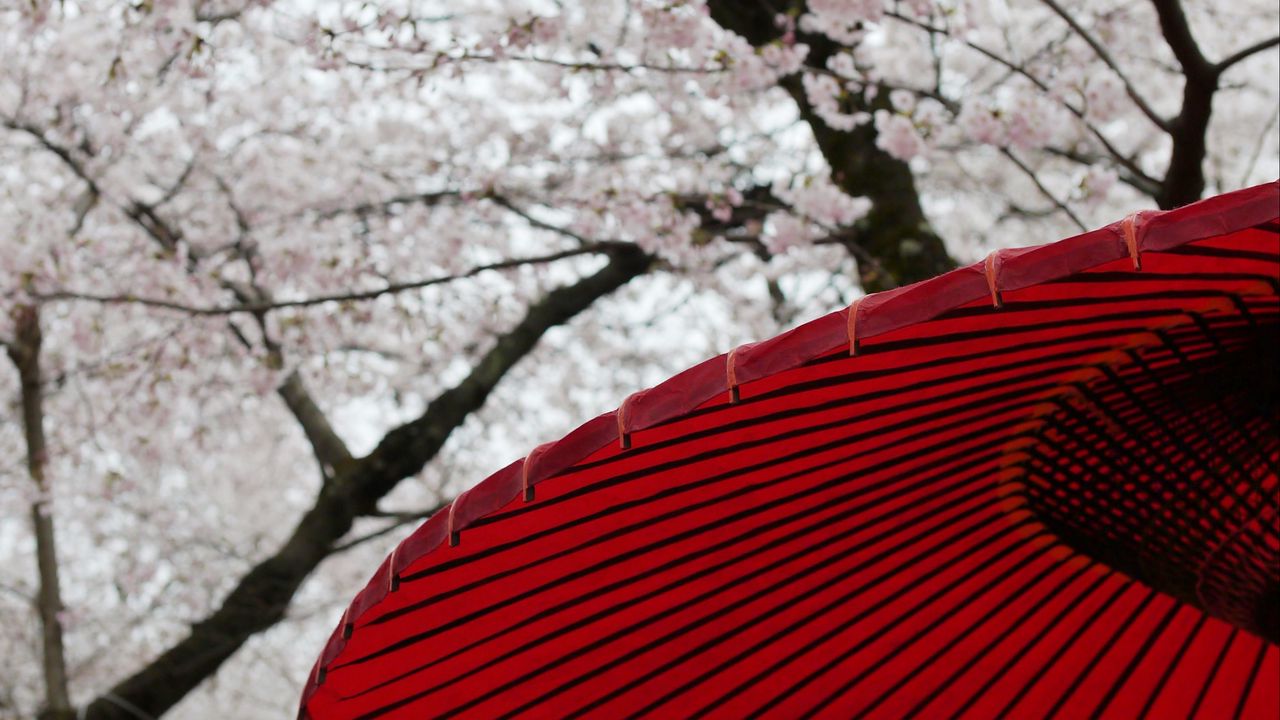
x=868 y=316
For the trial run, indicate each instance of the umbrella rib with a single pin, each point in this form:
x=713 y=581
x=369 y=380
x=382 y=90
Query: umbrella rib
x=1071 y=642
x=751 y=622
x=1173 y=665
x=1102 y=577
x=1248 y=684
x=806 y=680
x=1103 y=648
x=848 y=533
x=830 y=484
x=1016 y=624
x=1138 y=657
x=1213 y=675
x=945 y=615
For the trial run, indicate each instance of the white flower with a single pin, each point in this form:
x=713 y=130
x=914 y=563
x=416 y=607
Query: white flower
x=896 y=135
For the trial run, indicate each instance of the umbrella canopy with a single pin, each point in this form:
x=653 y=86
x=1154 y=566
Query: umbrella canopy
x=1044 y=484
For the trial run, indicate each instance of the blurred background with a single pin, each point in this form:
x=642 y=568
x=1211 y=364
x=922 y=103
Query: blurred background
x=279 y=279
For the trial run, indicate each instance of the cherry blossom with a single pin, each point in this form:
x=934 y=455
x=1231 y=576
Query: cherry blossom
x=261 y=236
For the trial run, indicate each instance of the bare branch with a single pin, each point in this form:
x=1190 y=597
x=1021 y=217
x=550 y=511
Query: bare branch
x=268 y=306
x=1145 y=186
x=1257 y=147
x=578 y=66
x=1245 y=53
x=74 y=165
x=427 y=198
x=146 y=217
x=1031 y=174
x=400 y=520
x=178 y=183
x=603 y=66
x=506 y=203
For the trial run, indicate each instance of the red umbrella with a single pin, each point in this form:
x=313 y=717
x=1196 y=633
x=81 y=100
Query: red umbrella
x=1041 y=485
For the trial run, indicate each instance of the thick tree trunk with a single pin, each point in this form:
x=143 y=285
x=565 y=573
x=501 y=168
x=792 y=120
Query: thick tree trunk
x=263 y=595
x=1184 y=181
x=25 y=354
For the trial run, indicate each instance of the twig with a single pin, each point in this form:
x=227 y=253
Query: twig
x=401 y=519
x=1236 y=57
x=1044 y=190
x=1126 y=162
x=263 y=307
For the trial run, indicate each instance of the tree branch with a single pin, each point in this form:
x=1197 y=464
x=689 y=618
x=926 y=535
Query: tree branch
x=255 y=307
x=24 y=351
x=1031 y=174
x=1177 y=33
x=426 y=198
x=1144 y=185
x=895 y=232
x=1105 y=56
x=504 y=202
x=398 y=520
x=1184 y=181
x=331 y=452
x=746 y=219
x=1120 y=158
x=570 y=65
x=1245 y=53
x=262 y=596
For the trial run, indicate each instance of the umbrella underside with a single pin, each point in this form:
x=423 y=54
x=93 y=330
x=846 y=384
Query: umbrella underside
x=1066 y=504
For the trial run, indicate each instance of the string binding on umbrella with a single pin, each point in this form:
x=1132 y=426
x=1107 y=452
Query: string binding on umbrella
x=1130 y=228
x=624 y=436
x=454 y=535
x=991 y=268
x=393 y=575
x=347 y=625
x=851 y=325
x=526 y=485
x=526 y=488
x=732 y=376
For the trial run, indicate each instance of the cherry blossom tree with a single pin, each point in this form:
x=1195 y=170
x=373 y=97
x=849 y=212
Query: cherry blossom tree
x=277 y=280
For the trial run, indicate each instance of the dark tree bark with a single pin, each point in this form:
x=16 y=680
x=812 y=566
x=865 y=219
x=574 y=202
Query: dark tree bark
x=263 y=595
x=24 y=352
x=1184 y=180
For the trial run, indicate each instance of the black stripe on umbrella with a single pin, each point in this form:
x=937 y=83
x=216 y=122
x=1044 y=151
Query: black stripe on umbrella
x=1043 y=485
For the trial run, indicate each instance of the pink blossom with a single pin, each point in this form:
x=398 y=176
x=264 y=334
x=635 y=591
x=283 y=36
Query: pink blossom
x=546 y=30
x=982 y=124
x=904 y=101
x=1104 y=97
x=784 y=232
x=1028 y=123
x=896 y=135
x=848 y=12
